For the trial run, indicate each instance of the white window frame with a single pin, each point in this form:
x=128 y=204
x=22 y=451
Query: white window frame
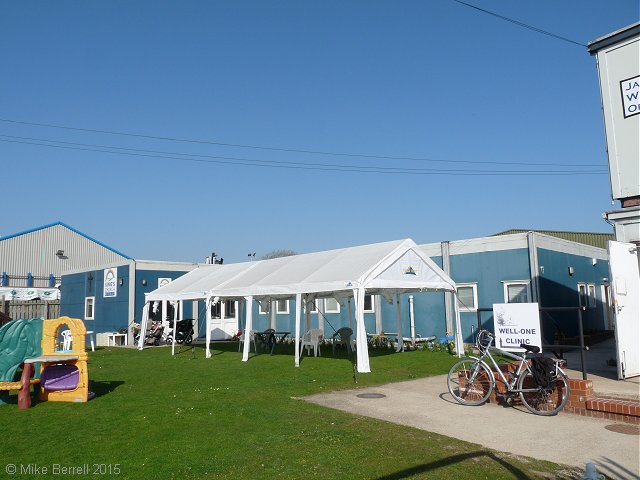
x=587 y=298
x=333 y=310
x=509 y=283
x=591 y=295
x=474 y=287
x=582 y=295
x=373 y=303
x=286 y=310
x=92 y=300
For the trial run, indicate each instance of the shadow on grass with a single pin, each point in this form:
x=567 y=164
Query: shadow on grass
x=104 y=388
x=427 y=467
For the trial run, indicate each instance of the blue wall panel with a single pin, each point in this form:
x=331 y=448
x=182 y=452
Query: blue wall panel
x=560 y=289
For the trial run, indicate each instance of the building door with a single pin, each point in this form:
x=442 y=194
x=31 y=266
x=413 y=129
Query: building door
x=625 y=283
x=224 y=320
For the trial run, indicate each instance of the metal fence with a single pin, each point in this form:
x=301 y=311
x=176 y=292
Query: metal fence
x=29 y=281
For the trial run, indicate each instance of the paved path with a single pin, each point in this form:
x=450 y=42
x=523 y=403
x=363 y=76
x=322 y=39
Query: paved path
x=568 y=439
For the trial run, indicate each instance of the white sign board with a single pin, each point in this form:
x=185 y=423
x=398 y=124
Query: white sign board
x=630 y=89
x=110 y=289
x=516 y=323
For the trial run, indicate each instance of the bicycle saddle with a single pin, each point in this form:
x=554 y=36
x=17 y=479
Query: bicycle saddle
x=530 y=348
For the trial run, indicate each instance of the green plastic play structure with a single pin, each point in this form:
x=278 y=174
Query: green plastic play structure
x=19 y=339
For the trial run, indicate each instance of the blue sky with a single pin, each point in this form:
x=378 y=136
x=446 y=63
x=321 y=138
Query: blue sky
x=454 y=89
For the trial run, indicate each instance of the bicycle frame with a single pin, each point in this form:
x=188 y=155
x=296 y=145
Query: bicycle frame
x=521 y=366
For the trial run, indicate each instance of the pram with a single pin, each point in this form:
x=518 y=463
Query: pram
x=152 y=337
x=184 y=332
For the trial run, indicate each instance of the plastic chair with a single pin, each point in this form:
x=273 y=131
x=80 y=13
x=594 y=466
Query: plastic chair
x=343 y=337
x=93 y=344
x=67 y=340
x=252 y=339
x=311 y=339
x=268 y=339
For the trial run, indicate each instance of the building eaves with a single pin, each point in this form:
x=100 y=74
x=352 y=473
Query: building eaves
x=62 y=224
x=594 y=239
x=614 y=37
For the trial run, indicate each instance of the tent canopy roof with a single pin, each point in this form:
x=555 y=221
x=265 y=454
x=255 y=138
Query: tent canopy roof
x=398 y=265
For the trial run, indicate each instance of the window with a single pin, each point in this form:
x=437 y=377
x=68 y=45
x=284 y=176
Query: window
x=331 y=305
x=369 y=304
x=216 y=310
x=587 y=295
x=516 y=292
x=591 y=293
x=282 y=306
x=229 y=309
x=89 y=308
x=467 y=297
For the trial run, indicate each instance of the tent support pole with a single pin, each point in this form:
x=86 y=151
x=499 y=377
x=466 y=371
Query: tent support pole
x=362 y=352
x=247 y=328
x=400 y=345
x=458 y=334
x=297 y=338
x=208 y=326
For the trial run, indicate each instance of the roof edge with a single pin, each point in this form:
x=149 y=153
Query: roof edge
x=62 y=224
x=612 y=38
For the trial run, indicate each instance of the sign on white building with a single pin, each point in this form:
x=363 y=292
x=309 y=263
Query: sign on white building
x=516 y=323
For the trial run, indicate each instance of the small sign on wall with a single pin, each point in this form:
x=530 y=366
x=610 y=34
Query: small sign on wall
x=163 y=281
x=110 y=289
x=516 y=323
x=630 y=90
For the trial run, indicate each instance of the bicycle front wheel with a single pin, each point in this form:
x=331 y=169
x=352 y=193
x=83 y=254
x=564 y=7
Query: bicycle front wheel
x=543 y=401
x=470 y=382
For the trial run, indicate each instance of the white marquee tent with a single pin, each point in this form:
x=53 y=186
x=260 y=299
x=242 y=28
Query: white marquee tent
x=387 y=269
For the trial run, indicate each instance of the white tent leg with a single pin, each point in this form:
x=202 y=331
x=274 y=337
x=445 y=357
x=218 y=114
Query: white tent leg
x=297 y=338
x=412 y=320
x=400 y=345
x=350 y=311
x=143 y=325
x=208 y=327
x=247 y=329
x=458 y=334
x=273 y=311
x=362 y=354
x=175 y=329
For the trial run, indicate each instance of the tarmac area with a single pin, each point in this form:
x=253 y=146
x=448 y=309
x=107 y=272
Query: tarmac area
x=565 y=438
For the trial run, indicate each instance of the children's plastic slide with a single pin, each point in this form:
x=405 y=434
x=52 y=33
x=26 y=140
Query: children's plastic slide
x=19 y=339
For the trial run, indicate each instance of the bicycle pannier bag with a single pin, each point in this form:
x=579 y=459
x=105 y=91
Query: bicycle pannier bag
x=543 y=369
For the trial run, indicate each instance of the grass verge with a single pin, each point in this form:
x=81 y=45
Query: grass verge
x=187 y=417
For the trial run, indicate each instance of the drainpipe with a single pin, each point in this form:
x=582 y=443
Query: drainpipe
x=533 y=267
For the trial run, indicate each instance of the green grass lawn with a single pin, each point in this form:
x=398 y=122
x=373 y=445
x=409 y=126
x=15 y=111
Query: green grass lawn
x=187 y=417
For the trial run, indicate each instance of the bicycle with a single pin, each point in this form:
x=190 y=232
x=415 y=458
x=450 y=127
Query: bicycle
x=471 y=381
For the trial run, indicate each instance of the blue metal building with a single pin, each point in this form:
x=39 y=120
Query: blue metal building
x=109 y=298
x=521 y=267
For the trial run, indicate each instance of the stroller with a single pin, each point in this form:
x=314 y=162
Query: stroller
x=184 y=332
x=152 y=337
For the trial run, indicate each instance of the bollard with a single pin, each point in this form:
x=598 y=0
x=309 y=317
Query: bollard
x=591 y=473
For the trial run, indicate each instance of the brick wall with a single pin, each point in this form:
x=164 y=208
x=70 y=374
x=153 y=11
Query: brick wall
x=582 y=400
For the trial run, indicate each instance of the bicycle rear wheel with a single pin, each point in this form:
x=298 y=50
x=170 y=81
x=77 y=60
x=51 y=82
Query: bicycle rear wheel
x=543 y=401
x=470 y=382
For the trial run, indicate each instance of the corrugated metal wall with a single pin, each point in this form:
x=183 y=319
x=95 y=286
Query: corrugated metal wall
x=35 y=252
